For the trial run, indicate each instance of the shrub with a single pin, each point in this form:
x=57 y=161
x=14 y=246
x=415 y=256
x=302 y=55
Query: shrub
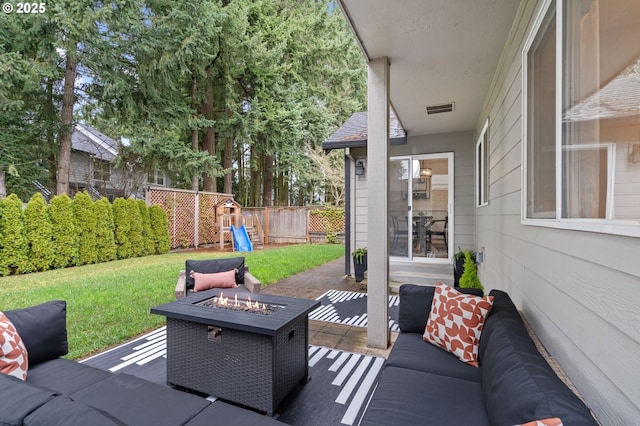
x=63 y=232
x=122 y=227
x=38 y=231
x=469 y=278
x=85 y=220
x=147 y=240
x=105 y=242
x=135 y=230
x=13 y=240
x=159 y=229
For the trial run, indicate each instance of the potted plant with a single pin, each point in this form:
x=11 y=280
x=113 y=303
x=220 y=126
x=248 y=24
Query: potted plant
x=360 y=263
x=469 y=278
x=458 y=267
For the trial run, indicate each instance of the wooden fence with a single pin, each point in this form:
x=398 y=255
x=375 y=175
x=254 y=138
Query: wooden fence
x=195 y=219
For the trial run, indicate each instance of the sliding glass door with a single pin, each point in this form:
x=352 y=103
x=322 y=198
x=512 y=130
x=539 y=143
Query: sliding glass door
x=420 y=203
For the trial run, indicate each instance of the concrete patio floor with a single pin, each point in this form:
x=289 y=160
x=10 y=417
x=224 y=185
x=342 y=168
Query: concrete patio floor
x=314 y=283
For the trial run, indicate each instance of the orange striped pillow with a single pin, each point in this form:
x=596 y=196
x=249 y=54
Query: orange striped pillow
x=455 y=322
x=14 y=359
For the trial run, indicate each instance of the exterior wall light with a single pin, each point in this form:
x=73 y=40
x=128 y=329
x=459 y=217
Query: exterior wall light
x=360 y=167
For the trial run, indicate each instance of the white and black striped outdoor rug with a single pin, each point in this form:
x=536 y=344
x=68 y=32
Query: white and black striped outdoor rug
x=350 y=308
x=340 y=387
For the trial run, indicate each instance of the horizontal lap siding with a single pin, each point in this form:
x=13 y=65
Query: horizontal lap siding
x=580 y=290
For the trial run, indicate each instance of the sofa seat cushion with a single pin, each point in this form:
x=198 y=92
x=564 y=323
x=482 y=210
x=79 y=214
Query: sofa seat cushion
x=411 y=351
x=520 y=386
x=135 y=401
x=62 y=411
x=65 y=376
x=410 y=397
x=221 y=413
x=18 y=399
x=43 y=329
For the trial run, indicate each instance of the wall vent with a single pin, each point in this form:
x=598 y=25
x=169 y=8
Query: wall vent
x=438 y=109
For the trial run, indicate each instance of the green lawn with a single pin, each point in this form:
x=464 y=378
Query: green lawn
x=108 y=303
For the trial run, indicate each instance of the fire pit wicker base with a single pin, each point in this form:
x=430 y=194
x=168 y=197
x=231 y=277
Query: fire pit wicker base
x=255 y=370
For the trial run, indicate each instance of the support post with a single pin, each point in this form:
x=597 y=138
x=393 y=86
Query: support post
x=377 y=229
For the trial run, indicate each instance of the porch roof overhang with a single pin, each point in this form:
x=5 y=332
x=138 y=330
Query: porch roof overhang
x=440 y=51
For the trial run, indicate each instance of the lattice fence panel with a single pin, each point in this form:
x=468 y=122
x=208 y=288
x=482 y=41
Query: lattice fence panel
x=326 y=220
x=207 y=223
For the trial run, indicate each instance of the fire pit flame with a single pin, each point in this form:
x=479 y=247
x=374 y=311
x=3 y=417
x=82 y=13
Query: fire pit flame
x=240 y=305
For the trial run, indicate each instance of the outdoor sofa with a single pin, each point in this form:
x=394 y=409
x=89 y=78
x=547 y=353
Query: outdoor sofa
x=422 y=384
x=59 y=391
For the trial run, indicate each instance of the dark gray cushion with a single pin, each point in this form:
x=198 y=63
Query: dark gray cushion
x=410 y=351
x=135 y=401
x=62 y=411
x=520 y=386
x=409 y=397
x=502 y=308
x=43 y=329
x=18 y=399
x=415 y=304
x=65 y=376
x=214 y=265
x=221 y=413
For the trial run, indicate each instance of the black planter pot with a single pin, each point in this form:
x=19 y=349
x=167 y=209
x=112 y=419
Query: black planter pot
x=458 y=270
x=359 y=268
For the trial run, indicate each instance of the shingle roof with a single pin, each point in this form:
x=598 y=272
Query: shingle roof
x=87 y=139
x=354 y=132
x=619 y=98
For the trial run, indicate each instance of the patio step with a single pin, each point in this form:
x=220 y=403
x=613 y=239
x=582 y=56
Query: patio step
x=404 y=273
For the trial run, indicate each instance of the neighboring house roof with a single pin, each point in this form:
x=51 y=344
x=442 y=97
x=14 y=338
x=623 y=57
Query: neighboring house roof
x=87 y=139
x=619 y=98
x=354 y=132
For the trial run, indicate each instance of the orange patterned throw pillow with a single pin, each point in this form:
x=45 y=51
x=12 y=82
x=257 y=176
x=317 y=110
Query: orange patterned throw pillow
x=14 y=360
x=546 y=422
x=225 y=279
x=455 y=322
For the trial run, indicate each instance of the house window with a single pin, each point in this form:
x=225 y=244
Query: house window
x=581 y=121
x=156 y=178
x=482 y=167
x=101 y=170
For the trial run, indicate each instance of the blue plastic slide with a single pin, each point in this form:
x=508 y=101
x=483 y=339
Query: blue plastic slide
x=241 y=239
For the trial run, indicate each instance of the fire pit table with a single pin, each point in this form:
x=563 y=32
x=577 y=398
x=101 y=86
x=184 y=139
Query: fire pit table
x=249 y=352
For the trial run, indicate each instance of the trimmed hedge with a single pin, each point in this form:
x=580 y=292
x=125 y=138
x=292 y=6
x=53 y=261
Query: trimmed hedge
x=77 y=232
x=14 y=247
x=63 y=232
x=38 y=227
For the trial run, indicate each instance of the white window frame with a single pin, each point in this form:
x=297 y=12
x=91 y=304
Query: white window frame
x=101 y=164
x=154 y=178
x=606 y=226
x=482 y=167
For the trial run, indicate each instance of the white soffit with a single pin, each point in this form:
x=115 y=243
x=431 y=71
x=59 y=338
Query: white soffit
x=440 y=51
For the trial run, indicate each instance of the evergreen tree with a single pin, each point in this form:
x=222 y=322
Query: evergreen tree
x=14 y=246
x=147 y=239
x=105 y=242
x=160 y=229
x=39 y=233
x=135 y=228
x=63 y=232
x=85 y=223
x=122 y=227
x=469 y=278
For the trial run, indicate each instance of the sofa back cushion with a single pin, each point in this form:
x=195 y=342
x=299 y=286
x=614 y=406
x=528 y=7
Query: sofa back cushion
x=214 y=265
x=520 y=386
x=43 y=329
x=503 y=308
x=415 y=304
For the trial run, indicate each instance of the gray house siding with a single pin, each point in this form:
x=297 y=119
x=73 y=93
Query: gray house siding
x=580 y=290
